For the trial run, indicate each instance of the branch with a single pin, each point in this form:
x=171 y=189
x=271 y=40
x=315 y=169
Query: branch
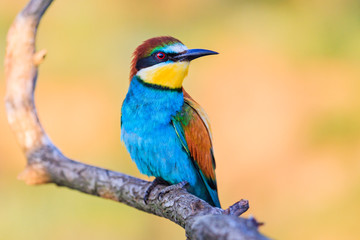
x=46 y=164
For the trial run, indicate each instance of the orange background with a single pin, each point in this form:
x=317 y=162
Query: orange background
x=283 y=97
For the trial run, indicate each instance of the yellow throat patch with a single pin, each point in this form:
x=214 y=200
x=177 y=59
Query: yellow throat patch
x=169 y=75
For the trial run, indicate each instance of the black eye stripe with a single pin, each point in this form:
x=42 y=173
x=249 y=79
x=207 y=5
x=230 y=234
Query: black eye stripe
x=152 y=60
x=146 y=62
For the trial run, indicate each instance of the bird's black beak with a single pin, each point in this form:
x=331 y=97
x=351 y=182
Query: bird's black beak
x=192 y=54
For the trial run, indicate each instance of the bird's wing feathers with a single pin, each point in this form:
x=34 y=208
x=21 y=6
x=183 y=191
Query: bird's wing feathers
x=193 y=129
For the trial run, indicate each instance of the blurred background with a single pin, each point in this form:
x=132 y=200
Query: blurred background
x=283 y=98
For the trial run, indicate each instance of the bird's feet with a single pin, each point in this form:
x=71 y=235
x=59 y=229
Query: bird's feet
x=157 y=181
x=170 y=188
x=160 y=181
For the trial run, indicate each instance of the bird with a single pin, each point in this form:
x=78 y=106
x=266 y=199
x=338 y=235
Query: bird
x=166 y=132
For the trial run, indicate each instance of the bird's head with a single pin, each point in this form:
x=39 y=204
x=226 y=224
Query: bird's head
x=164 y=61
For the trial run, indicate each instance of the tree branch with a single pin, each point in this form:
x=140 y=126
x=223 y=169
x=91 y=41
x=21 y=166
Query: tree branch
x=46 y=164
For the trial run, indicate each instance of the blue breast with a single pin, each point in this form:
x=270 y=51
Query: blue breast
x=149 y=135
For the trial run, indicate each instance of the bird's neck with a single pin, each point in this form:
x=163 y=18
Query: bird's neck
x=151 y=102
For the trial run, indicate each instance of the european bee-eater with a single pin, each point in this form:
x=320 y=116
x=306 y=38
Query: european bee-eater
x=165 y=131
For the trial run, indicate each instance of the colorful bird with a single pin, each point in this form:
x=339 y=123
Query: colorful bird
x=165 y=131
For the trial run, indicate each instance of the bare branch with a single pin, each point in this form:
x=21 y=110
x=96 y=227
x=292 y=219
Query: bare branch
x=46 y=164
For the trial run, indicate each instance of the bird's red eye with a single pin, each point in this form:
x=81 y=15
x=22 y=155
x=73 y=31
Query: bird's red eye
x=160 y=55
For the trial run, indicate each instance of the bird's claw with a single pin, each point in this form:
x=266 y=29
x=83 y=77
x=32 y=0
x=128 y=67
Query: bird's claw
x=170 y=188
x=151 y=187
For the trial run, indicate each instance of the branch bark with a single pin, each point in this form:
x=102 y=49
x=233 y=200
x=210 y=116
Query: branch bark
x=46 y=164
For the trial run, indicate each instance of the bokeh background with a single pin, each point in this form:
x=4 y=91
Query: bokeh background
x=283 y=98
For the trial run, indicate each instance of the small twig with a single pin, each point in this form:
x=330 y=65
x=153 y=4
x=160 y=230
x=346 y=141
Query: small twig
x=39 y=57
x=238 y=208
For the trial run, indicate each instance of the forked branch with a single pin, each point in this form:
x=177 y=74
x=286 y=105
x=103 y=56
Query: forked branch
x=46 y=164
